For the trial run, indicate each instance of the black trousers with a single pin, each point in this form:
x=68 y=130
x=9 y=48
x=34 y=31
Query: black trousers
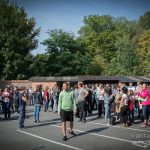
x=100 y=107
x=89 y=106
x=124 y=114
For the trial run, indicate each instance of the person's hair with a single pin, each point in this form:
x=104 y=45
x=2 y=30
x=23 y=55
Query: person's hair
x=146 y=84
x=66 y=83
x=107 y=90
x=101 y=86
x=75 y=86
x=22 y=88
x=139 y=82
x=80 y=84
x=46 y=88
x=125 y=90
x=37 y=87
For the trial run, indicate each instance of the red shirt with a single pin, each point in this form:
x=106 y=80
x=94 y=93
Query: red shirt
x=46 y=96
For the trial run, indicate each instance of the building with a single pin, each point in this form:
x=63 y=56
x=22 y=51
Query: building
x=87 y=79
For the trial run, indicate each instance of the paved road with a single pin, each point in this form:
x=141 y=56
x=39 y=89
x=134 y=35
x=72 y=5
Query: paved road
x=47 y=135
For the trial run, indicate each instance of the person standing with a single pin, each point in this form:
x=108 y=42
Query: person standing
x=22 y=106
x=131 y=87
x=16 y=100
x=124 y=107
x=100 y=100
x=108 y=99
x=66 y=109
x=82 y=94
x=38 y=101
x=31 y=96
x=145 y=95
x=46 y=99
x=7 y=102
x=54 y=96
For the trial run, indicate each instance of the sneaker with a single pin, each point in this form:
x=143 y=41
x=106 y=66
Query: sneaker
x=122 y=125
x=98 y=117
x=21 y=128
x=72 y=133
x=84 y=121
x=144 y=125
x=35 y=121
x=65 y=138
x=38 y=121
x=108 y=124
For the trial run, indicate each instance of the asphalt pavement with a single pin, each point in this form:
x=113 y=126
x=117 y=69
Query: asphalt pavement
x=92 y=135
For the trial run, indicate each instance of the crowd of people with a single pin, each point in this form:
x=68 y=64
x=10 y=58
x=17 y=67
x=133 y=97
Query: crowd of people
x=116 y=104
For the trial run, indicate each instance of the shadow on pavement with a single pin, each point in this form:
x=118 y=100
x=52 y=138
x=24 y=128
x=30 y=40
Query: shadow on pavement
x=97 y=130
x=15 y=118
x=44 y=123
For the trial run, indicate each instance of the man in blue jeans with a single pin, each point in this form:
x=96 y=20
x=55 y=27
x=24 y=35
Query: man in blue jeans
x=37 y=103
x=22 y=106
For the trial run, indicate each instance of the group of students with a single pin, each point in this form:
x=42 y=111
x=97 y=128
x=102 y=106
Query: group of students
x=120 y=100
x=14 y=100
x=123 y=101
x=81 y=101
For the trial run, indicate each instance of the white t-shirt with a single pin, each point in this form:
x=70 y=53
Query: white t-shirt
x=131 y=88
x=125 y=96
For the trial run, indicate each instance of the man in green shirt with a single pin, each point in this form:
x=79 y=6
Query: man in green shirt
x=66 y=109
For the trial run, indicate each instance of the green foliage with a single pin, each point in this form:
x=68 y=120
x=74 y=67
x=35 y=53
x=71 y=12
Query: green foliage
x=143 y=52
x=17 y=39
x=144 y=21
x=105 y=46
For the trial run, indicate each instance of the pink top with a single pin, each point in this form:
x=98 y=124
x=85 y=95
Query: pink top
x=143 y=94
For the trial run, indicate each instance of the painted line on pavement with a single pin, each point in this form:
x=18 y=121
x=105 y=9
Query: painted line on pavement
x=51 y=141
x=110 y=137
x=118 y=127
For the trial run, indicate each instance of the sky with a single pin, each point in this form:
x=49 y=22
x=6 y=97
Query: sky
x=69 y=14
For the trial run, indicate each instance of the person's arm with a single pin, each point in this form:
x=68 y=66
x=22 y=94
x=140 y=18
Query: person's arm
x=143 y=94
x=59 y=104
x=122 y=99
x=74 y=103
x=24 y=98
x=41 y=98
x=85 y=93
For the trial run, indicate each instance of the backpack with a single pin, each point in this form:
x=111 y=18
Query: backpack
x=111 y=99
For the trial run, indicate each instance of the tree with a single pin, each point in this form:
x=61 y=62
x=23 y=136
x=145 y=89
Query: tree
x=17 y=40
x=97 y=66
x=143 y=52
x=66 y=54
x=125 y=59
x=97 y=33
x=39 y=66
x=144 y=21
